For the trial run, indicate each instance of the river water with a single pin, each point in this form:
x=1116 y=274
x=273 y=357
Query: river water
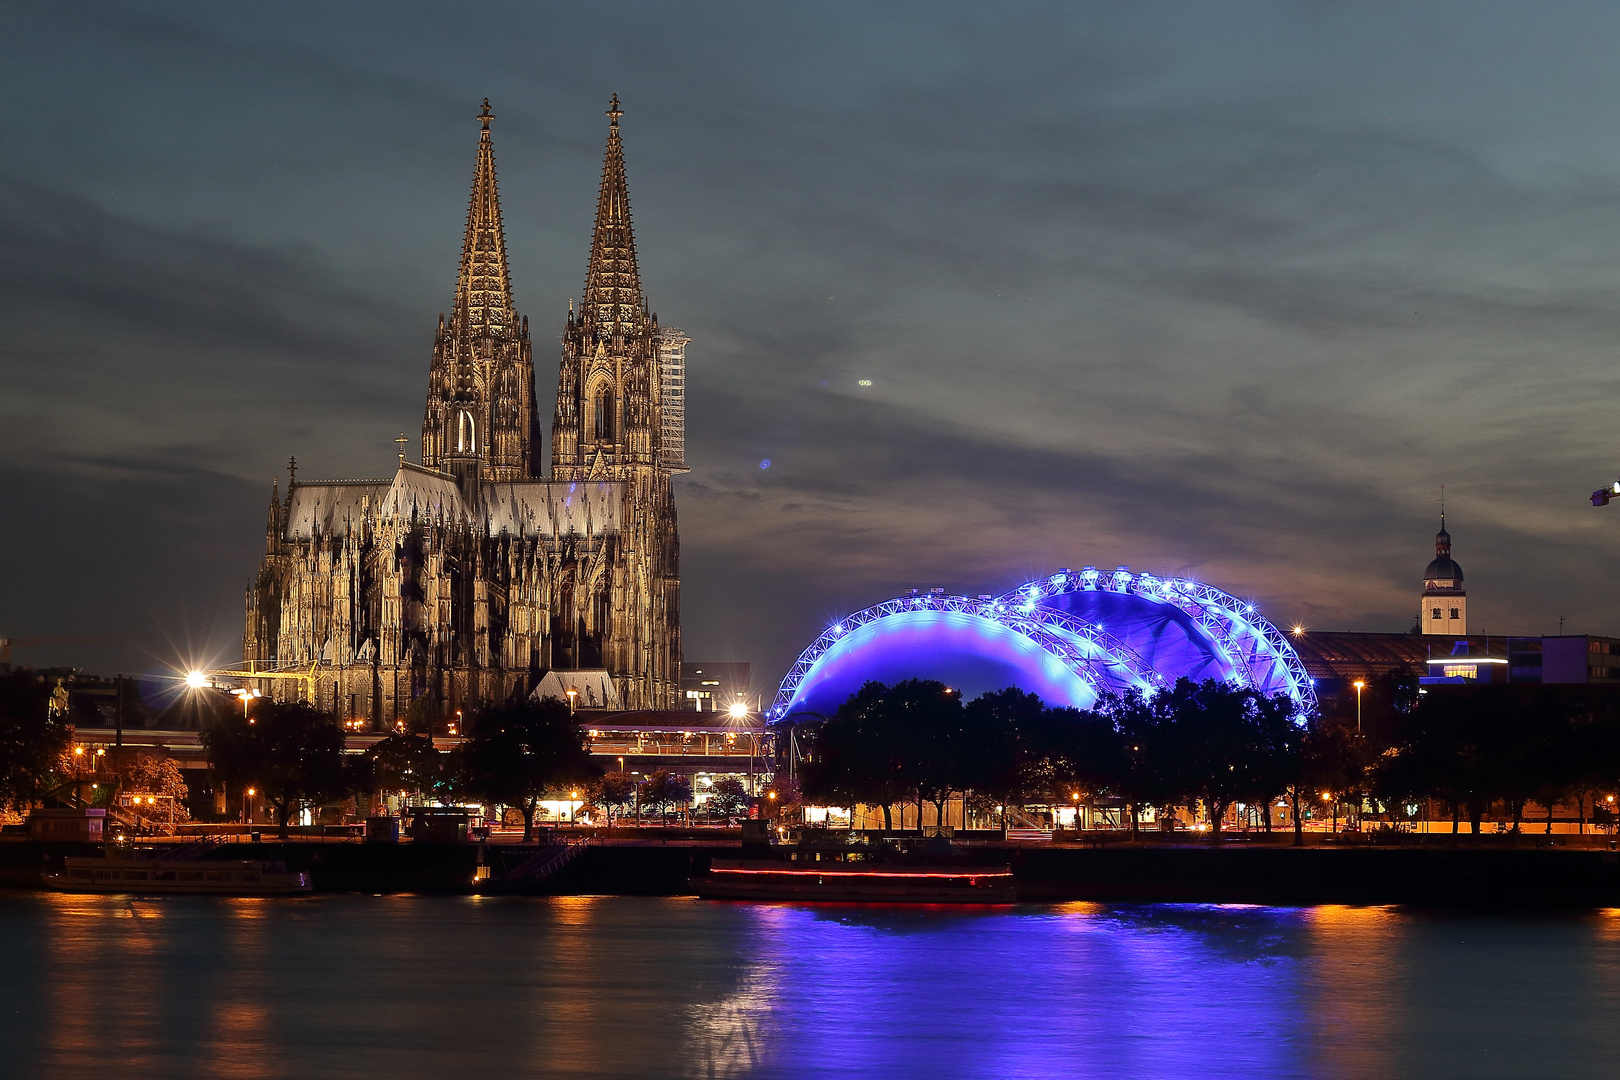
x=404 y=987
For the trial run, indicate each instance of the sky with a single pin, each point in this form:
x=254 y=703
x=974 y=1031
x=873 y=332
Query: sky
x=1224 y=290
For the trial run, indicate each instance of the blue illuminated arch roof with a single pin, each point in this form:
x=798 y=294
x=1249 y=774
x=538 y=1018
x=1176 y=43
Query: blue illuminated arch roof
x=1068 y=638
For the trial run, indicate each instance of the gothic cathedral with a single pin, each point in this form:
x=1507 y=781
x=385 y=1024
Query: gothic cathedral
x=470 y=577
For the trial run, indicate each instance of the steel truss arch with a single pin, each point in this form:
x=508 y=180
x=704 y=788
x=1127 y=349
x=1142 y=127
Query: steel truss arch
x=1243 y=642
x=1257 y=652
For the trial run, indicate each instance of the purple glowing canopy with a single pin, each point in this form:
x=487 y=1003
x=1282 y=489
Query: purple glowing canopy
x=1068 y=638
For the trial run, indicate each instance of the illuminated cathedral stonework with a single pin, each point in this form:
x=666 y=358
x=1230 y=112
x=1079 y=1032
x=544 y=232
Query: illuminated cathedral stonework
x=469 y=577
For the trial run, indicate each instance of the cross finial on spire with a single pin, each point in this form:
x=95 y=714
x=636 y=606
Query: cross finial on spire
x=486 y=116
x=402 y=440
x=614 y=112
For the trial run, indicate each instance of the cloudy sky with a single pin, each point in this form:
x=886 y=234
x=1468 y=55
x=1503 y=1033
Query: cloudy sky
x=1229 y=290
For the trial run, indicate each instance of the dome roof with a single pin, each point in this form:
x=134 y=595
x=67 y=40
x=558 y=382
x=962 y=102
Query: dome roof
x=1443 y=569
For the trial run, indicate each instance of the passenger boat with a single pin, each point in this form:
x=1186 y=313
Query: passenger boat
x=144 y=873
x=876 y=883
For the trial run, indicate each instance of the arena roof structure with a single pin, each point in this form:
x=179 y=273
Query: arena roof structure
x=1070 y=638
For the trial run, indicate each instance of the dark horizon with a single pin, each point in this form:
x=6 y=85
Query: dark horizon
x=1229 y=294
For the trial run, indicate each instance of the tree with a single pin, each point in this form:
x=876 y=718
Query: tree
x=407 y=762
x=613 y=789
x=154 y=782
x=862 y=755
x=1147 y=750
x=425 y=716
x=290 y=751
x=1219 y=749
x=663 y=790
x=1001 y=753
x=728 y=797
x=32 y=740
x=518 y=751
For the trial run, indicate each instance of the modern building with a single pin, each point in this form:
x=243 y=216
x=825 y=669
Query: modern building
x=1564 y=659
x=469 y=576
x=715 y=687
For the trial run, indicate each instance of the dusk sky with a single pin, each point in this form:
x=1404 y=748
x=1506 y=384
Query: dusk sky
x=1224 y=290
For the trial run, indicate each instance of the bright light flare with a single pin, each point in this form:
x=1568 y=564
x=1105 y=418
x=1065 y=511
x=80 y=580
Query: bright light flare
x=738 y=710
x=196 y=679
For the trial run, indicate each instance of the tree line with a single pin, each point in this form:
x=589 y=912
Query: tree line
x=1471 y=751
x=513 y=755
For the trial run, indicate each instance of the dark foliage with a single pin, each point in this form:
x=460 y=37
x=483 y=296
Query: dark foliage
x=291 y=752
x=31 y=740
x=517 y=752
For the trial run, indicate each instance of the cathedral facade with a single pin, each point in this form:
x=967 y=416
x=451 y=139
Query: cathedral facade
x=470 y=577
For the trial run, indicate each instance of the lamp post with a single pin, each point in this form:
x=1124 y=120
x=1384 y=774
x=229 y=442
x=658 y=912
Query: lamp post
x=1360 y=685
x=246 y=807
x=739 y=713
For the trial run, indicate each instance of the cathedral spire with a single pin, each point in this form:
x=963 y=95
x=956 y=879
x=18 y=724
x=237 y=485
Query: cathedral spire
x=483 y=290
x=613 y=302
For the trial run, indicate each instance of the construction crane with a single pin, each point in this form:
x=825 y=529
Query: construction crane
x=197 y=679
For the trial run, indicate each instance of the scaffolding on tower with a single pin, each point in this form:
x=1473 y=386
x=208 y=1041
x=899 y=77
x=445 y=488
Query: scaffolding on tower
x=672 y=399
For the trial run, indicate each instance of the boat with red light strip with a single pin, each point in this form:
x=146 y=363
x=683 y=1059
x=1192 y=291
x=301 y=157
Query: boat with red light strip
x=877 y=883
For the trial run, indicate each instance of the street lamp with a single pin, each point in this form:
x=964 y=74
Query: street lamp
x=1360 y=686
x=738 y=711
x=572 y=694
x=196 y=679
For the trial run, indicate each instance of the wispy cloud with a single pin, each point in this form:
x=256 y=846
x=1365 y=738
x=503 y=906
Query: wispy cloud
x=1233 y=295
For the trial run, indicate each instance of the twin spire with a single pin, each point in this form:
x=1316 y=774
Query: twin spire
x=484 y=289
x=612 y=304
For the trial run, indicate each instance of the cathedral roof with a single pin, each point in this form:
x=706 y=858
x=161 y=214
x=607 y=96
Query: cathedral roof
x=531 y=508
x=484 y=289
x=328 y=507
x=426 y=494
x=539 y=508
x=613 y=303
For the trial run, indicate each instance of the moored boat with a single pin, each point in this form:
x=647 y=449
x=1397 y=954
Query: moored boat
x=143 y=873
x=877 y=883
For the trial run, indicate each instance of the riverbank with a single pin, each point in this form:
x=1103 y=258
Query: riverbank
x=1428 y=874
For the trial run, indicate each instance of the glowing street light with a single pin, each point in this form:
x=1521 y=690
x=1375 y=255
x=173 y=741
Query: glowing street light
x=196 y=679
x=1360 y=685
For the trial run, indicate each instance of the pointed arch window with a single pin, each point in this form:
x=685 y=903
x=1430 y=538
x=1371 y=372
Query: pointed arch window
x=605 y=418
x=466 y=433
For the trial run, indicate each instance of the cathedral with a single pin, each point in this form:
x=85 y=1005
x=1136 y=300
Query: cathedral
x=476 y=574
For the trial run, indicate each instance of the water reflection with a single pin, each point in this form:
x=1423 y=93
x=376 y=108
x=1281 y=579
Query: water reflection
x=620 y=987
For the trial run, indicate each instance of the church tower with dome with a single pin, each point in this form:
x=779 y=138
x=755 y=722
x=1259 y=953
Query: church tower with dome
x=1445 y=601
